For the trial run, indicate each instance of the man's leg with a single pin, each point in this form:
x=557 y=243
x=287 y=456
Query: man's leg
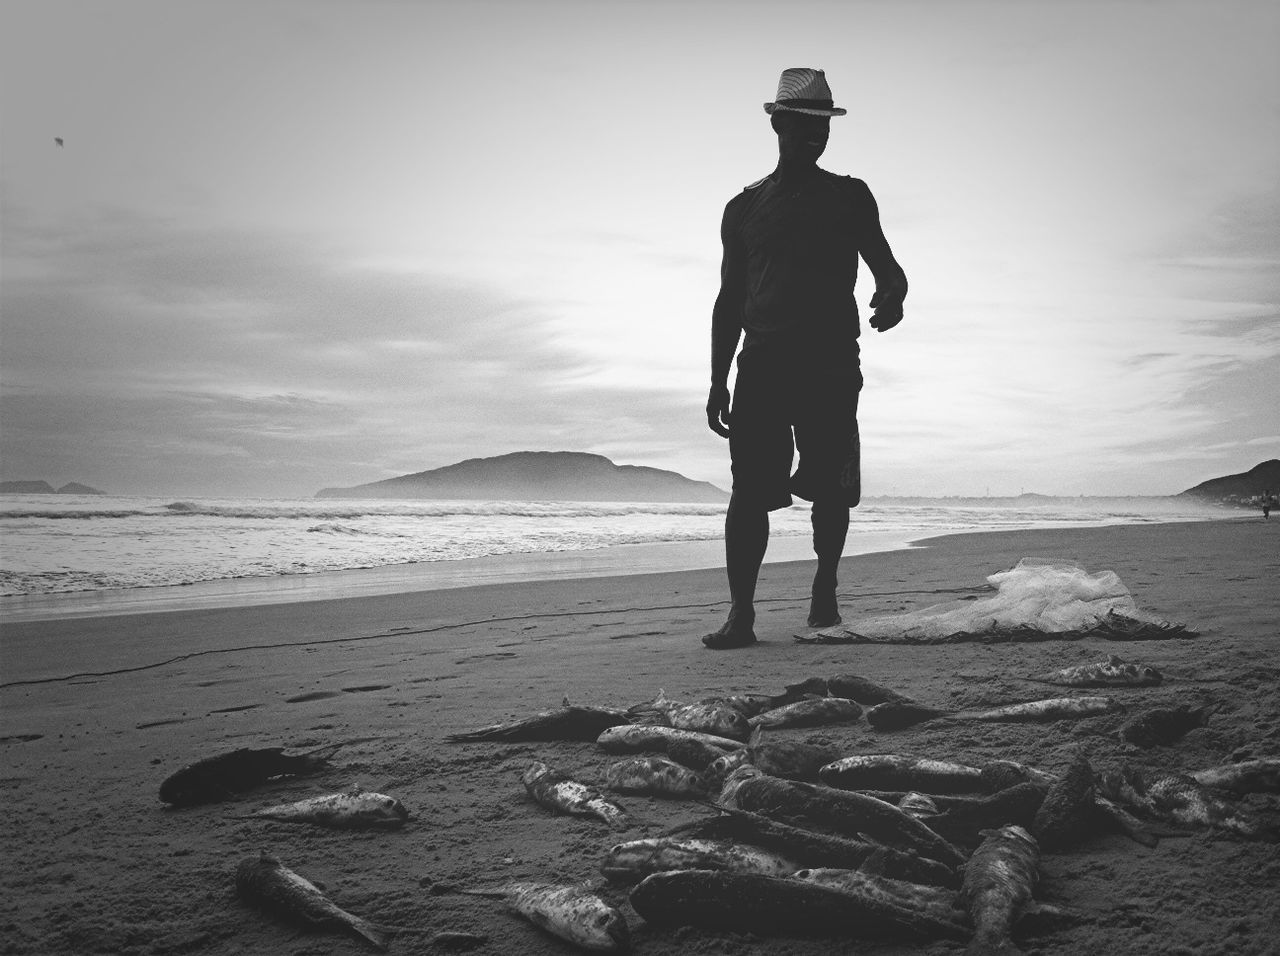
x=830 y=518
x=746 y=536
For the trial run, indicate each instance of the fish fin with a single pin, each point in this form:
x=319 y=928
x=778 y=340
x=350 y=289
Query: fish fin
x=379 y=936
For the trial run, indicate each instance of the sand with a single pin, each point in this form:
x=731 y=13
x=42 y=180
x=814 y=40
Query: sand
x=96 y=864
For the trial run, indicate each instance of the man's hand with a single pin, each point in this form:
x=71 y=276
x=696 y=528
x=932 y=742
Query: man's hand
x=887 y=308
x=718 y=410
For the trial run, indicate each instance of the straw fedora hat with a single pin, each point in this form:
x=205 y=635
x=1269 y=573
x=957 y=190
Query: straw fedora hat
x=804 y=90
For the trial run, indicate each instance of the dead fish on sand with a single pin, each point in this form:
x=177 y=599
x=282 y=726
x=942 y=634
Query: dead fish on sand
x=965 y=821
x=902 y=772
x=998 y=881
x=656 y=776
x=1053 y=708
x=639 y=858
x=901 y=714
x=708 y=717
x=1181 y=800
x=791 y=759
x=844 y=812
x=935 y=904
x=1068 y=809
x=270 y=884
x=561 y=793
x=571 y=912
x=720 y=901
x=226 y=775
x=919 y=805
x=568 y=722
x=639 y=737
x=720 y=769
x=1248 y=776
x=1112 y=672
x=1162 y=725
x=810 y=713
x=354 y=809
x=811 y=848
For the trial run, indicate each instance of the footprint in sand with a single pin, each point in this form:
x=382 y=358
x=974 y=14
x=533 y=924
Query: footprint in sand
x=482 y=657
x=313 y=695
x=164 y=723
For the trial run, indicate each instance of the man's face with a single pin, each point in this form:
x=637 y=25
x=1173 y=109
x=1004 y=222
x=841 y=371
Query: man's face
x=802 y=138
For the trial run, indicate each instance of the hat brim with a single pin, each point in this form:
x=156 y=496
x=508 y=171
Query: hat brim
x=772 y=108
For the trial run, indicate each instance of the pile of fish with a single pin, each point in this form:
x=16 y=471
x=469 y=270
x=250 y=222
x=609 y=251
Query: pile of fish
x=800 y=839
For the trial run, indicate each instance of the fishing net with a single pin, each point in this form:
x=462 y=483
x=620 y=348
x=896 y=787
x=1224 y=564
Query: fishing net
x=1035 y=600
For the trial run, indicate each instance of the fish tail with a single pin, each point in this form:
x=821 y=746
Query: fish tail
x=378 y=936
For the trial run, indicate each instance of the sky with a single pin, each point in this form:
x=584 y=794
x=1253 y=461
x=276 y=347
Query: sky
x=291 y=245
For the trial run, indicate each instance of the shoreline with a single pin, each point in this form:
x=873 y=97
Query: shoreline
x=515 y=568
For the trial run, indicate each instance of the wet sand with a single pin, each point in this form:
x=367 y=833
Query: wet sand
x=97 y=711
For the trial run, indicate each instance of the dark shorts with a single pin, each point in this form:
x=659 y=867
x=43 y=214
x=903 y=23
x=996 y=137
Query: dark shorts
x=782 y=406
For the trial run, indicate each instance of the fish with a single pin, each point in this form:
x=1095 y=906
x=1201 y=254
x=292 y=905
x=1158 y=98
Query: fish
x=1261 y=775
x=722 y=901
x=852 y=686
x=642 y=737
x=919 y=805
x=230 y=774
x=791 y=759
x=933 y=903
x=845 y=812
x=1066 y=813
x=998 y=882
x=720 y=769
x=864 y=691
x=354 y=809
x=901 y=772
x=1002 y=774
x=1112 y=672
x=637 y=859
x=569 y=911
x=1181 y=800
x=1054 y=708
x=811 y=848
x=901 y=714
x=694 y=754
x=964 y=821
x=555 y=791
x=656 y=776
x=266 y=882
x=810 y=713
x=711 y=716
x=1160 y=726
x=568 y=722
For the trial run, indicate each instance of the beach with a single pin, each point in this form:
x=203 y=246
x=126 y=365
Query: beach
x=97 y=711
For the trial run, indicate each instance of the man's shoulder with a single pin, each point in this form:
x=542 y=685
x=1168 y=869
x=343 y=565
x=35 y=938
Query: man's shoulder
x=848 y=183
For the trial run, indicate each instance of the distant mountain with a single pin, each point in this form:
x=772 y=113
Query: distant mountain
x=44 y=488
x=539 y=476
x=1238 y=489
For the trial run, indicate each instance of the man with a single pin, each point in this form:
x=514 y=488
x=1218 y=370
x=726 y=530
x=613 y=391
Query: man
x=791 y=248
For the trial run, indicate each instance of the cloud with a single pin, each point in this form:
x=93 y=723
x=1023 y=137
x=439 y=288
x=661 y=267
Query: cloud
x=140 y=355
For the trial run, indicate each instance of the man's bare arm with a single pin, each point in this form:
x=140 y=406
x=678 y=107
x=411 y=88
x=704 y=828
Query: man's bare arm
x=726 y=326
x=891 y=281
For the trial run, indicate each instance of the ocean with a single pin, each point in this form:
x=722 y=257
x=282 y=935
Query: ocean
x=67 y=552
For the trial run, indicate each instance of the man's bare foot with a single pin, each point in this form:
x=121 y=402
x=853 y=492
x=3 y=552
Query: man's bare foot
x=824 y=611
x=737 y=631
